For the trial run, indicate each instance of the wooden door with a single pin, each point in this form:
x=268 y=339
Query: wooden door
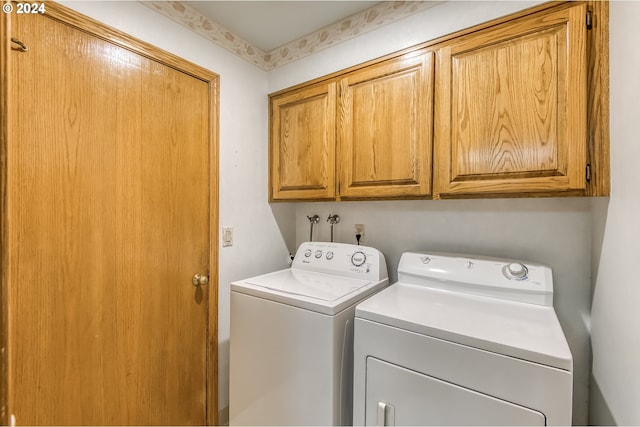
x=109 y=210
x=511 y=107
x=385 y=128
x=302 y=144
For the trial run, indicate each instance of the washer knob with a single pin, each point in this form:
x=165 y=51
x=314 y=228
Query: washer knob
x=307 y=253
x=318 y=253
x=358 y=258
x=516 y=270
x=329 y=255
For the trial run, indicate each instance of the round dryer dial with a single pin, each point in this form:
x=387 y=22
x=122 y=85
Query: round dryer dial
x=515 y=271
x=358 y=258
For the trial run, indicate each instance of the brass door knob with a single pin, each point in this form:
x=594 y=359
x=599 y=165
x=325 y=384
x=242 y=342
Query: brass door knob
x=199 y=279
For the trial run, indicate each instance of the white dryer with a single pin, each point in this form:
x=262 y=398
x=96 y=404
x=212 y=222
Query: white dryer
x=462 y=340
x=291 y=344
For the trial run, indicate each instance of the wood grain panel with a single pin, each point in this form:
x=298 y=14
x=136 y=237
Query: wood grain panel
x=74 y=19
x=110 y=212
x=374 y=121
x=598 y=98
x=175 y=239
x=5 y=36
x=508 y=124
x=303 y=144
x=384 y=129
x=511 y=107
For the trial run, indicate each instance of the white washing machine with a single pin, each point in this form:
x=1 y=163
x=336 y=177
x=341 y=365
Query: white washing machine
x=462 y=340
x=291 y=344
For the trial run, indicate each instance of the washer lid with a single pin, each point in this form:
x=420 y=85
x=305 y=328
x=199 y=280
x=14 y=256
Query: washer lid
x=525 y=331
x=321 y=292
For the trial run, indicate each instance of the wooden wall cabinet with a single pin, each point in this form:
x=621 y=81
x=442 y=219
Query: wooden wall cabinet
x=511 y=108
x=302 y=144
x=370 y=140
x=516 y=107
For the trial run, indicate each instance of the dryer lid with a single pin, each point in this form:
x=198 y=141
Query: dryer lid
x=525 y=331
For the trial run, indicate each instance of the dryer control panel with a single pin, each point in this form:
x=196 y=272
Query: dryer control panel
x=499 y=278
x=362 y=262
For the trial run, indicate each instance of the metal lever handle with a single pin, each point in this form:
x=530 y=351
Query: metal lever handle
x=200 y=279
x=385 y=414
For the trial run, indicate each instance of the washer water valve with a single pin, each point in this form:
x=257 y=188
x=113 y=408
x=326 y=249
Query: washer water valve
x=333 y=219
x=312 y=220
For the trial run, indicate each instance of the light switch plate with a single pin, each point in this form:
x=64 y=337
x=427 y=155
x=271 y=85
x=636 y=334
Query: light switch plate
x=227 y=236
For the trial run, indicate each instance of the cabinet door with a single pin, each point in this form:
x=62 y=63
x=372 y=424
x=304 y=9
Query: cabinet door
x=510 y=111
x=302 y=158
x=384 y=129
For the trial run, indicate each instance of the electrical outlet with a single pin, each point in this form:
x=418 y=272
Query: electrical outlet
x=227 y=236
x=359 y=229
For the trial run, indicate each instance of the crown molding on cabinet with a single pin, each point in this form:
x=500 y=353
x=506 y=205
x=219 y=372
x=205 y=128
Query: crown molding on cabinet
x=370 y=19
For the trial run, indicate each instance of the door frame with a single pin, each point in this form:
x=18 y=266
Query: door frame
x=97 y=29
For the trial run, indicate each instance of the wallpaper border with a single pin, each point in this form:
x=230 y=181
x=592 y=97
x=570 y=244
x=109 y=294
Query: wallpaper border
x=370 y=19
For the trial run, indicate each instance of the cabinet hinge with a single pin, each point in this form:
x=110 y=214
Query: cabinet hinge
x=589 y=20
x=588 y=172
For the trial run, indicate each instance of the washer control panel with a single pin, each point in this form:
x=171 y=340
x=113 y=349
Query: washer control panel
x=499 y=278
x=341 y=258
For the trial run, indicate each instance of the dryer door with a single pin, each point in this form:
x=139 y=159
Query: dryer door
x=399 y=396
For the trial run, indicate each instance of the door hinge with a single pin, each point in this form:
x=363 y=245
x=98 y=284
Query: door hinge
x=589 y=20
x=588 y=172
